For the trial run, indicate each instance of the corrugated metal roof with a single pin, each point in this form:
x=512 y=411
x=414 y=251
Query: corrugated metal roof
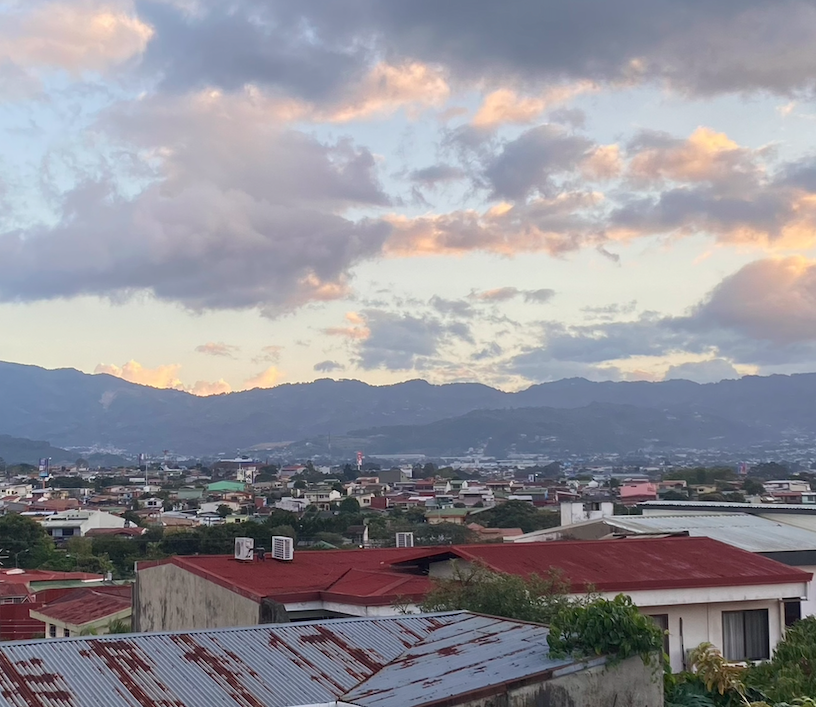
x=276 y=665
x=725 y=506
x=474 y=654
x=747 y=532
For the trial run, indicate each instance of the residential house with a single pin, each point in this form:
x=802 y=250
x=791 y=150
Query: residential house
x=633 y=492
x=293 y=505
x=85 y=612
x=697 y=588
x=457 y=659
x=76 y=523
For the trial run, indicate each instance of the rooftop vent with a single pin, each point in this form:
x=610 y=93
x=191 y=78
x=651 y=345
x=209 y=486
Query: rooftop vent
x=405 y=539
x=245 y=549
x=283 y=548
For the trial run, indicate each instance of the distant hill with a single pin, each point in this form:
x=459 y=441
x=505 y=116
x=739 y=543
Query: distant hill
x=598 y=427
x=16 y=450
x=73 y=409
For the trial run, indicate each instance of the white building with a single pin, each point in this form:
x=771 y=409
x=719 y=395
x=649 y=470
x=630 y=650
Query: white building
x=76 y=523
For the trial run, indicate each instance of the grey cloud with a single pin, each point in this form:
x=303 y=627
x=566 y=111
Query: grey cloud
x=764 y=314
x=610 y=311
x=217 y=348
x=449 y=307
x=255 y=44
x=711 y=371
x=733 y=45
x=504 y=294
x=436 y=173
x=401 y=341
x=529 y=162
x=239 y=215
x=492 y=350
x=574 y=117
x=328 y=366
x=538 y=296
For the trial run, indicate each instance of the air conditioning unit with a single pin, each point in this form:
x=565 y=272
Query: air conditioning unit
x=245 y=549
x=405 y=539
x=283 y=548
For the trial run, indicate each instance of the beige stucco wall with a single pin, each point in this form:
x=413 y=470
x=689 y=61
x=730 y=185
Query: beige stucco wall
x=628 y=684
x=168 y=598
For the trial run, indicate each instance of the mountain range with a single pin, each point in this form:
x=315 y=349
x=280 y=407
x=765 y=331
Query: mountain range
x=77 y=410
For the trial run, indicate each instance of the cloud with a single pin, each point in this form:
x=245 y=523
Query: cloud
x=501 y=294
x=430 y=176
x=265 y=379
x=762 y=315
x=78 y=36
x=693 y=47
x=166 y=376
x=218 y=349
x=240 y=215
x=328 y=366
x=504 y=105
x=402 y=341
x=358 y=330
x=504 y=294
x=531 y=161
x=710 y=371
x=453 y=308
x=204 y=388
x=492 y=350
x=269 y=354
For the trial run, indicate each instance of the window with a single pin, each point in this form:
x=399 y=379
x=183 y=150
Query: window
x=793 y=611
x=66 y=633
x=745 y=635
x=662 y=621
x=52 y=630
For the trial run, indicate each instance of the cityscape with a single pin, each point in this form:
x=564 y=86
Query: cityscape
x=363 y=353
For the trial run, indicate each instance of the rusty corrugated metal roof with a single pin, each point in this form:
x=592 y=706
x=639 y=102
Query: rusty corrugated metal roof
x=474 y=654
x=278 y=665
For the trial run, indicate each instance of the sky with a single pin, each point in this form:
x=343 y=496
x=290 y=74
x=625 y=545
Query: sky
x=218 y=195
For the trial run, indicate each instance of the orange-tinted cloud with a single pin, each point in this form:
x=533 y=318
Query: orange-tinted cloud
x=504 y=105
x=217 y=348
x=358 y=330
x=264 y=379
x=207 y=388
x=75 y=36
x=166 y=376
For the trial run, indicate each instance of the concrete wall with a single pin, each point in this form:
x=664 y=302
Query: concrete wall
x=168 y=598
x=628 y=684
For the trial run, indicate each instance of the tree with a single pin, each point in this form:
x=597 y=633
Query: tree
x=443 y=534
x=299 y=484
x=349 y=505
x=223 y=510
x=481 y=590
x=673 y=495
x=610 y=627
x=518 y=514
x=753 y=487
x=26 y=540
x=791 y=672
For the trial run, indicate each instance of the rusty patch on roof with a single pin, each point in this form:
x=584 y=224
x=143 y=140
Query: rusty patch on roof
x=32 y=689
x=215 y=667
x=133 y=670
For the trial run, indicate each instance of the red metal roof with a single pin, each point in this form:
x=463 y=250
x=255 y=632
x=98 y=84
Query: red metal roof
x=83 y=606
x=133 y=532
x=372 y=577
x=631 y=565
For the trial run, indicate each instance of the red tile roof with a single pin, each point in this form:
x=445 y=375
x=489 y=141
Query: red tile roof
x=84 y=606
x=378 y=577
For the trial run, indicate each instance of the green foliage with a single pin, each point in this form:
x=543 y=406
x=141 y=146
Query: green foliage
x=613 y=628
x=791 y=672
x=349 y=505
x=753 y=487
x=119 y=626
x=518 y=514
x=702 y=475
x=443 y=534
x=223 y=510
x=478 y=589
x=24 y=538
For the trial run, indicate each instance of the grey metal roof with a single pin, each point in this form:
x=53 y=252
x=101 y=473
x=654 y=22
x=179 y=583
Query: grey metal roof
x=476 y=653
x=747 y=532
x=276 y=665
x=727 y=506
